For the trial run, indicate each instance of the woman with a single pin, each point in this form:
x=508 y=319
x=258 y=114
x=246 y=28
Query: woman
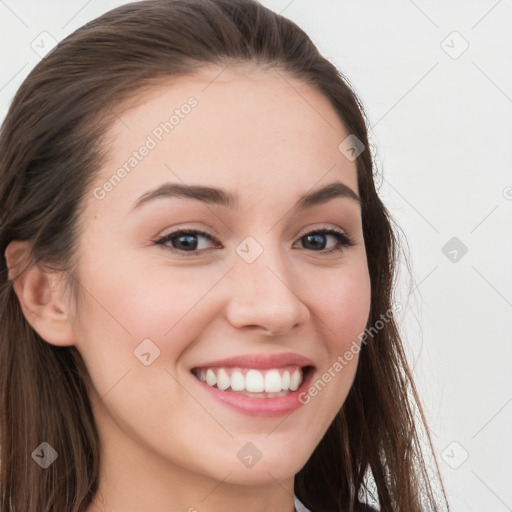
x=196 y=299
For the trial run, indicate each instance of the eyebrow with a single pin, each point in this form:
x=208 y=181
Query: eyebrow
x=217 y=196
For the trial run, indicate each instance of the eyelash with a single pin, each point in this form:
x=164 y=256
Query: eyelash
x=344 y=240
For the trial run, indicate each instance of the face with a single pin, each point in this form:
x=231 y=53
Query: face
x=178 y=289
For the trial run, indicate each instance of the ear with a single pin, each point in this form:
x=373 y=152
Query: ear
x=41 y=300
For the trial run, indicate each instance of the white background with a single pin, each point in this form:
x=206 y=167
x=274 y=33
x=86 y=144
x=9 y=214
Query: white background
x=441 y=124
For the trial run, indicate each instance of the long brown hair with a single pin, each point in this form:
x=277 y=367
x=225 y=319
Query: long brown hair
x=51 y=147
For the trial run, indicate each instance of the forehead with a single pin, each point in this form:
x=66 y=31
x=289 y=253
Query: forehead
x=243 y=128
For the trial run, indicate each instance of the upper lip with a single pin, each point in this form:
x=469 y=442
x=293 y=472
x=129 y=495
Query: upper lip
x=259 y=361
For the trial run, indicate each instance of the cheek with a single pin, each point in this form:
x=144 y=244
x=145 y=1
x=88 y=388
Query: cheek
x=130 y=317
x=342 y=305
x=124 y=304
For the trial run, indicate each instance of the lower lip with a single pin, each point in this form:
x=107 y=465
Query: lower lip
x=263 y=407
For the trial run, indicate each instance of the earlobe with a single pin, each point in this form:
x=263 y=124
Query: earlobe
x=39 y=296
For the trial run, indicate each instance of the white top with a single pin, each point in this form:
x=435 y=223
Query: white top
x=299 y=506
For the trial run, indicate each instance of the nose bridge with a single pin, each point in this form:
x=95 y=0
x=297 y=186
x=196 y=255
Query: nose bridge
x=263 y=292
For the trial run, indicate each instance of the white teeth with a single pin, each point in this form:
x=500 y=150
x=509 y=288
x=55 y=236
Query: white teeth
x=254 y=381
x=275 y=381
x=223 y=380
x=237 y=381
x=286 y=380
x=295 y=379
x=272 y=381
x=211 y=378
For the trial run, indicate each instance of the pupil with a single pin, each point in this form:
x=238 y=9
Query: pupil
x=190 y=242
x=317 y=240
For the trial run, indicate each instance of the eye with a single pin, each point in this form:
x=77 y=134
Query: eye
x=184 y=240
x=317 y=240
x=187 y=240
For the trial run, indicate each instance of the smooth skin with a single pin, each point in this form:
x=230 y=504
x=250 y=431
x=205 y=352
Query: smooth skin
x=166 y=444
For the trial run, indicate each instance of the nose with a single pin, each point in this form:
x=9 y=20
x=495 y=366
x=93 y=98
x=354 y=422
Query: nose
x=263 y=297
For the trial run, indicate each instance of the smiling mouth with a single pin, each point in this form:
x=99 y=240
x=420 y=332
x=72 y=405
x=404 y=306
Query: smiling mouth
x=255 y=383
